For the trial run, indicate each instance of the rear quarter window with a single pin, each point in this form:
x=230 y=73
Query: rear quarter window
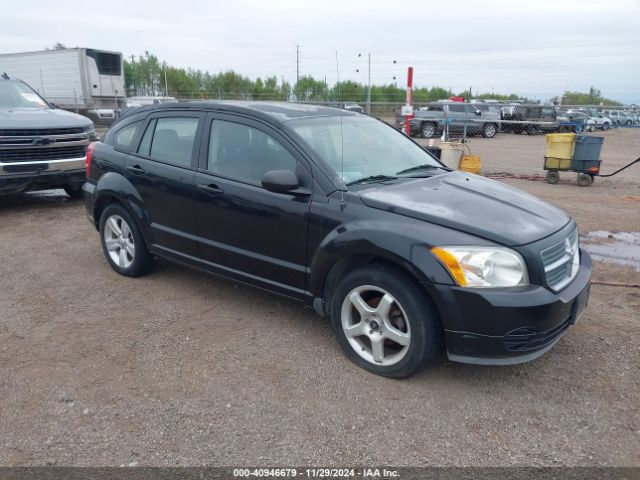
x=125 y=137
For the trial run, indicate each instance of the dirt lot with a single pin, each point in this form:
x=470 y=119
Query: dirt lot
x=179 y=368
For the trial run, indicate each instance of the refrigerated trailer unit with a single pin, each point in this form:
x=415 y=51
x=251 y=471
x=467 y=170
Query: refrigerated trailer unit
x=83 y=80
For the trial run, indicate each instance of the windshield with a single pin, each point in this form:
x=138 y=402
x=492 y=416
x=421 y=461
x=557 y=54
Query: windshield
x=19 y=95
x=366 y=146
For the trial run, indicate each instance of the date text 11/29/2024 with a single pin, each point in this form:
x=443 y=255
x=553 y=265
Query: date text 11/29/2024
x=315 y=472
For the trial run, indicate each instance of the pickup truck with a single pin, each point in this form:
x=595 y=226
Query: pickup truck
x=430 y=120
x=41 y=147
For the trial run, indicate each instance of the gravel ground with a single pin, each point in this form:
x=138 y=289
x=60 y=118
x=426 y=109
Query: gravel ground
x=180 y=368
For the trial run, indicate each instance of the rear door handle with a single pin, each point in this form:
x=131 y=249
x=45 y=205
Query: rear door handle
x=211 y=188
x=137 y=169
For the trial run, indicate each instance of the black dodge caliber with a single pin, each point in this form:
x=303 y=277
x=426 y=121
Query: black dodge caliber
x=344 y=213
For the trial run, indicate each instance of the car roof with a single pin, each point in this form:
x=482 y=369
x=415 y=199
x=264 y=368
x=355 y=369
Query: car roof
x=278 y=112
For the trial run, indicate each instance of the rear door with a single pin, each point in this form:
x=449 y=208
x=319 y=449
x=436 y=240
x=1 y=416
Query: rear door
x=245 y=230
x=162 y=171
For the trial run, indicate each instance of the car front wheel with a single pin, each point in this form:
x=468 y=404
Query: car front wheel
x=489 y=130
x=74 y=191
x=383 y=322
x=122 y=242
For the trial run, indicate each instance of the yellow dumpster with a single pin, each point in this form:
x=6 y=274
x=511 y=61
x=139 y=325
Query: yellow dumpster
x=555 y=163
x=560 y=145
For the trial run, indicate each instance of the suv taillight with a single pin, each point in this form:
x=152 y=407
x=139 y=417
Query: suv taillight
x=89 y=154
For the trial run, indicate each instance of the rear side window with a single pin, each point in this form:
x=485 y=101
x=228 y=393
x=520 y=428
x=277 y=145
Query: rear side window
x=244 y=153
x=124 y=137
x=172 y=140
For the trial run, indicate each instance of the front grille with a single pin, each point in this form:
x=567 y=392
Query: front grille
x=529 y=338
x=35 y=154
x=561 y=261
x=41 y=131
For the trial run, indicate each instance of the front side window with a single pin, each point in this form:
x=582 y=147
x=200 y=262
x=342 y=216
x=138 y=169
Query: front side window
x=245 y=153
x=173 y=140
x=359 y=147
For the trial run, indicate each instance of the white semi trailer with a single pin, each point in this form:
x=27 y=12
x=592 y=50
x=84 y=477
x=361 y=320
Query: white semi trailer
x=83 y=80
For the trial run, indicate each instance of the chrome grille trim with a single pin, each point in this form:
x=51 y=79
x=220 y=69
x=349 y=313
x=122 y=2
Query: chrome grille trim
x=561 y=261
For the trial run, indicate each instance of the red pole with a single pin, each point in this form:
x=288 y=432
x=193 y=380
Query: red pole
x=408 y=117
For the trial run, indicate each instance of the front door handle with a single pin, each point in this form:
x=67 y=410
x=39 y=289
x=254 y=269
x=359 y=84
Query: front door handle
x=211 y=188
x=137 y=169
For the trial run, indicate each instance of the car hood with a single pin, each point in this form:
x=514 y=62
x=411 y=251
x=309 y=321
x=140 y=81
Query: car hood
x=473 y=204
x=41 y=118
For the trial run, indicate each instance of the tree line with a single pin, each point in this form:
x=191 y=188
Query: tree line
x=146 y=75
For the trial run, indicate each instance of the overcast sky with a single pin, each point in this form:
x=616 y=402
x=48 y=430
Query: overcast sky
x=536 y=48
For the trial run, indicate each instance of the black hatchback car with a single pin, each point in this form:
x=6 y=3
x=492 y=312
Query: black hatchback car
x=349 y=216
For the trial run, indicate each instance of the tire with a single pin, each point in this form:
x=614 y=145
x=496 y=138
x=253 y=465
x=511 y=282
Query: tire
x=489 y=130
x=584 y=180
x=606 y=126
x=628 y=123
x=127 y=252
x=552 y=177
x=376 y=342
x=428 y=130
x=73 y=191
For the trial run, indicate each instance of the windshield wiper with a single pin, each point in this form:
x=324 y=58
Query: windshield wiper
x=371 y=178
x=426 y=166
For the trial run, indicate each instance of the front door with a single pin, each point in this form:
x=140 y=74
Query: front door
x=246 y=231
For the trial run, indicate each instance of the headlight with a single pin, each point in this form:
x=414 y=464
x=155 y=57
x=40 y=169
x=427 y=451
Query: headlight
x=483 y=266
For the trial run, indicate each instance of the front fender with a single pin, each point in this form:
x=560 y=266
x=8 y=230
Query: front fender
x=406 y=247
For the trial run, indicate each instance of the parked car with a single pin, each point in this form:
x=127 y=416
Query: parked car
x=429 y=121
x=573 y=121
x=601 y=121
x=619 y=117
x=542 y=118
x=41 y=147
x=352 y=106
x=347 y=215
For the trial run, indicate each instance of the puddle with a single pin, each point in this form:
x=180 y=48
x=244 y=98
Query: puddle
x=622 y=248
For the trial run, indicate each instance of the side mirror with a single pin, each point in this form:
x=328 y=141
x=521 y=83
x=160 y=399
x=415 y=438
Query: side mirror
x=283 y=181
x=478 y=112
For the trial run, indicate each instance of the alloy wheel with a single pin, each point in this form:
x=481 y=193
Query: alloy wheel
x=375 y=325
x=119 y=242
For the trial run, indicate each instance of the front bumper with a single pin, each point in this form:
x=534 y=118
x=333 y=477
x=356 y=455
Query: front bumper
x=16 y=177
x=509 y=326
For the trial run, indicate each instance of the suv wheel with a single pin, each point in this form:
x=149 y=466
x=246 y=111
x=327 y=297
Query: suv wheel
x=489 y=130
x=383 y=322
x=122 y=243
x=606 y=126
x=74 y=191
x=428 y=130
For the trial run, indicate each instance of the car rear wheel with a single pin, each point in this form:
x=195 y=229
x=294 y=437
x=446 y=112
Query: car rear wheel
x=606 y=126
x=122 y=242
x=383 y=322
x=428 y=130
x=489 y=130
